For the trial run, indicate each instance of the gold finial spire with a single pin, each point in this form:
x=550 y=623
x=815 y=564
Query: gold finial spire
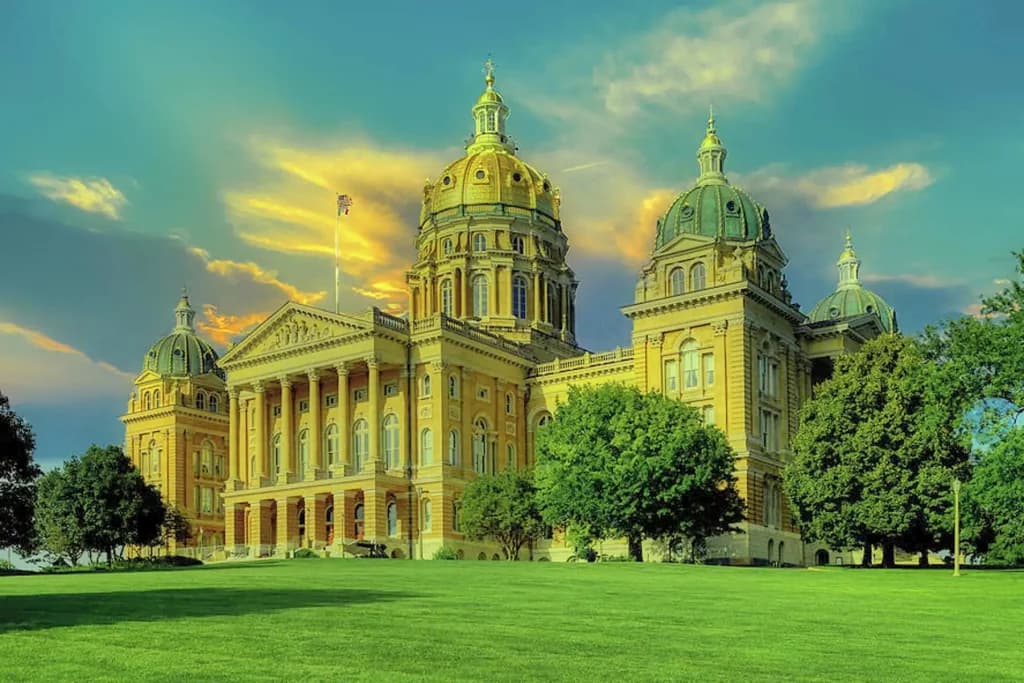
x=489 y=72
x=849 y=239
x=711 y=119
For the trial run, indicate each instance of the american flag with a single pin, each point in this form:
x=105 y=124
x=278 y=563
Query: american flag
x=344 y=202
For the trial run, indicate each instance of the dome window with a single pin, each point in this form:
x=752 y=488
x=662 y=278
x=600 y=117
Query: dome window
x=687 y=211
x=447 y=246
x=732 y=207
x=870 y=309
x=447 y=180
x=516 y=177
x=547 y=186
x=177 y=352
x=480 y=175
x=833 y=312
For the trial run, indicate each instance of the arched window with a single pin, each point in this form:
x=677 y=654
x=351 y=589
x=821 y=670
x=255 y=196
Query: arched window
x=453 y=386
x=698 y=276
x=331 y=444
x=518 y=244
x=479 y=242
x=154 y=458
x=691 y=364
x=156 y=398
x=456 y=507
x=360 y=443
x=301 y=522
x=552 y=303
x=358 y=515
x=426 y=447
x=771 y=551
x=677 y=281
x=427 y=521
x=389 y=434
x=510 y=404
x=303 y=451
x=510 y=456
x=329 y=523
x=481 y=292
x=206 y=459
x=200 y=400
x=492 y=121
x=480 y=447
x=446 y=297
x=147 y=400
x=213 y=403
x=392 y=519
x=544 y=420
x=446 y=246
x=425 y=386
x=276 y=451
x=453 y=447
x=519 y=297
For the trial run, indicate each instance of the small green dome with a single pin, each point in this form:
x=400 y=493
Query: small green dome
x=714 y=210
x=851 y=302
x=182 y=353
x=851 y=298
x=712 y=207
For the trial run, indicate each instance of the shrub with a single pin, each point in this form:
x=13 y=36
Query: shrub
x=302 y=553
x=445 y=553
x=5 y=565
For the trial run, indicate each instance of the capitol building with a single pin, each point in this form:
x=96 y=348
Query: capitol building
x=320 y=430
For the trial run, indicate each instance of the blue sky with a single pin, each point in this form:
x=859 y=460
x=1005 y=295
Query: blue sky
x=149 y=145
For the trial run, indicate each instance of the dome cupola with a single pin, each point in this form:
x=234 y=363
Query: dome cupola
x=713 y=207
x=851 y=298
x=182 y=353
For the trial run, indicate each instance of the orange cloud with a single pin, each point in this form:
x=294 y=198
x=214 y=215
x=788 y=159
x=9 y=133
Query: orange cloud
x=296 y=213
x=32 y=364
x=94 y=195
x=221 y=329
x=233 y=269
x=855 y=185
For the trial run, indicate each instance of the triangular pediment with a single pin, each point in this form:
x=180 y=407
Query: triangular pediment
x=290 y=326
x=146 y=376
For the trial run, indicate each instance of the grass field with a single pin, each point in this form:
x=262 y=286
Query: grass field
x=392 y=620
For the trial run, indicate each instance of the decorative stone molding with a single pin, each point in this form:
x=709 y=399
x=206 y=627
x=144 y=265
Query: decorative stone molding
x=720 y=327
x=285 y=382
x=313 y=374
x=372 y=362
x=341 y=369
x=438 y=366
x=233 y=392
x=257 y=386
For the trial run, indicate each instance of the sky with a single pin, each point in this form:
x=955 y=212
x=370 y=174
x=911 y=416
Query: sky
x=147 y=146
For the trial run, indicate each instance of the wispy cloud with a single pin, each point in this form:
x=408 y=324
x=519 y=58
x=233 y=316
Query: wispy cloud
x=917 y=280
x=295 y=213
x=33 y=364
x=222 y=328
x=584 y=167
x=93 y=195
x=832 y=187
x=252 y=271
x=735 y=52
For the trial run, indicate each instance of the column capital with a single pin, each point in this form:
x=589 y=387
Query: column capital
x=285 y=382
x=341 y=369
x=438 y=366
x=719 y=327
x=372 y=362
x=233 y=392
x=257 y=386
x=313 y=374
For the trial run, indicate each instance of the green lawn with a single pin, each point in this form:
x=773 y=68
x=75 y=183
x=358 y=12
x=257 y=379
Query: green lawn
x=394 y=620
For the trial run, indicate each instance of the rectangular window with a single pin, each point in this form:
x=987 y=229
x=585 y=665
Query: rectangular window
x=671 y=376
x=276 y=410
x=483 y=393
x=207 y=500
x=195 y=498
x=359 y=394
x=769 y=431
x=762 y=374
x=331 y=400
x=391 y=389
x=773 y=379
x=708 y=361
x=304 y=405
x=195 y=464
x=218 y=465
x=709 y=415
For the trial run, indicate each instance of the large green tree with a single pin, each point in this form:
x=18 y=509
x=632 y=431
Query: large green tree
x=502 y=507
x=994 y=501
x=58 y=510
x=617 y=462
x=18 y=475
x=876 y=453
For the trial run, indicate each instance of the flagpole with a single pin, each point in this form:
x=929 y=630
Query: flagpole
x=337 y=261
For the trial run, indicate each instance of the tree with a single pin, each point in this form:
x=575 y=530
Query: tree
x=502 y=507
x=176 y=527
x=616 y=462
x=994 y=501
x=876 y=453
x=57 y=513
x=18 y=475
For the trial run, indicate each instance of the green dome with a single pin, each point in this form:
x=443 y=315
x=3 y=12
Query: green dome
x=851 y=302
x=713 y=210
x=851 y=298
x=182 y=353
x=712 y=207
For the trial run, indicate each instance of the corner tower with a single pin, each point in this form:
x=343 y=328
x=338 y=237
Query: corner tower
x=852 y=298
x=490 y=248
x=176 y=426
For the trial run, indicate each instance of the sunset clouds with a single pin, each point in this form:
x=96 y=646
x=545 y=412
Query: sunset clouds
x=92 y=195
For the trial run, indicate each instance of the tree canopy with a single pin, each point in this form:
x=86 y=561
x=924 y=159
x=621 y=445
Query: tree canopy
x=502 y=507
x=875 y=454
x=18 y=475
x=616 y=462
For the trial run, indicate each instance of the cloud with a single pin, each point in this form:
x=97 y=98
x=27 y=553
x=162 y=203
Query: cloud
x=295 y=213
x=584 y=167
x=833 y=187
x=235 y=269
x=33 y=365
x=93 y=195
x=921 y=281
x=222 y=329
x=737 y=52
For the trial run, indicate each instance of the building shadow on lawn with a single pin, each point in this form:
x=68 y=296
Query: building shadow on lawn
x=34 y=612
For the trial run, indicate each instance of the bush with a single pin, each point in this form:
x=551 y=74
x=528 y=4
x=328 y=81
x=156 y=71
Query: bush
x=302 y=553
x=6 y=565
x=445 y=553
x=616 y=558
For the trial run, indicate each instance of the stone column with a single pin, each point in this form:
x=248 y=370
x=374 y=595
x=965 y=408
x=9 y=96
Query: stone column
x=287 y=433
x=373 y=396
x=538 y=298
x=261 y=435
x=374 y=515
x=492 y=293
x=233 y=467
x=229 y=528
x=259 y=519
x=428 y=297
x=316 y=521
x=287 y=525
x=344 y=420
x=316 y=426
x=404 y=423
x=438 y=411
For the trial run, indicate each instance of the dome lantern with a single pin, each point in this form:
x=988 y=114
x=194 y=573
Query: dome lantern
x=489 y=115
x=184 y=316
x=711 y=153
x=849 y=265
